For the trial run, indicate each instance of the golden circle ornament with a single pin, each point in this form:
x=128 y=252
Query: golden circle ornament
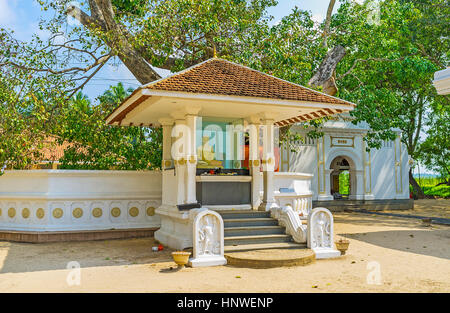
x=40 y=213
x=0 y=212
x=134 y=211
x=11 y=212
x=115 y=212
x=58 y=213
x=77 y=213
x=97 y=212
x=26 y=213
x=151 y=211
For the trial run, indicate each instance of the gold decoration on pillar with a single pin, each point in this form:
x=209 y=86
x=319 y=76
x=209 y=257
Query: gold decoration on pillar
x=151 y=211
x=181 y=161
x=58 y=213
x=134 y=211
x=40 y=213
x=192 y=160
x=0 y=212
x=77 y=213
x=97 y=212
x=11 y=212
x=115 y=212
x=166 y=163
x=26 y=213
x=255 y=162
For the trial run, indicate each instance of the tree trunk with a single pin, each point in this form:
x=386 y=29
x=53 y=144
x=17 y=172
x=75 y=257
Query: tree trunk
x=325 y=74
x=417 y=190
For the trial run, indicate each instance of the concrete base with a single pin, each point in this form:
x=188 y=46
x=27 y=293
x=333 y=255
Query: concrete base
x=371 y=205
x=207 y=261
x=176 y=228
x=325 y=198
x=326 y=253
x=66 y=236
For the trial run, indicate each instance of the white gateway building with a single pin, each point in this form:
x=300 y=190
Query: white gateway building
x=378 y=179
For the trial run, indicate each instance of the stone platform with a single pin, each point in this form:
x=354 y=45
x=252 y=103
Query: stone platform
x=370 y=205
x=270 y=258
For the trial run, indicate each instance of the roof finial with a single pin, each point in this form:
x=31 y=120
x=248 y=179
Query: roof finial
x=214 y=51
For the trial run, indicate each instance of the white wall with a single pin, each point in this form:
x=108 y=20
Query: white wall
x=49 y=190
x=385 y=183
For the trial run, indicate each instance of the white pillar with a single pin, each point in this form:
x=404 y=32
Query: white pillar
x=254 y=162
x=326 y=196
x=357 y=185
x=167 y=125
x=268 y=163
x=191 y=157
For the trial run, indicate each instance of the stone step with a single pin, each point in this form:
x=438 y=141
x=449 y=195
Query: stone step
x=253 y=230
x=256 y=239
x=249 y=222
x=243 y=214
x=265 y=246
x=270 y=258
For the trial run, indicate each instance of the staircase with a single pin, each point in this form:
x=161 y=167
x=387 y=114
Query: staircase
x=254 y=230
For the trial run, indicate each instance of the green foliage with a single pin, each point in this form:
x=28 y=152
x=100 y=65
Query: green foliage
x=344 y=183
x=435 y=150
x=29 y=100
x=442 y=191
x=95 y=145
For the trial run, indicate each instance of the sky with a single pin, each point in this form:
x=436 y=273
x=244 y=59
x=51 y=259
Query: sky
x=23 y=16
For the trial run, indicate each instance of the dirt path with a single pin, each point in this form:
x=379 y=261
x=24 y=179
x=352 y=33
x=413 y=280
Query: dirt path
x=428 y=207
x=410 y=258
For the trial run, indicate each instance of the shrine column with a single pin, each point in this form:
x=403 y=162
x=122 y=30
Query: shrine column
x=167 y=125
x=356 y=185
x=254 y=162
x=180 y=135
x=268 y=164
x=191 y=157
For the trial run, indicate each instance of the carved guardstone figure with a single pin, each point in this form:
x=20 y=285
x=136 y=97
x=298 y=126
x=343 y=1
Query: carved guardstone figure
x=320 y=234
x=208 y=239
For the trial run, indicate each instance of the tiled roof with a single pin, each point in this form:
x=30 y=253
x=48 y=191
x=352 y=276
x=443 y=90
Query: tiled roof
x=220 y=77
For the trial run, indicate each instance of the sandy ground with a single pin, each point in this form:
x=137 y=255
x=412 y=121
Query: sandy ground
x=408 y=256
x=428 y=207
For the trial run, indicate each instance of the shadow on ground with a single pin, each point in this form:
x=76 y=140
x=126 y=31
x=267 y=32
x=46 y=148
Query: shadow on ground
x=432 y=241
x=26 y=257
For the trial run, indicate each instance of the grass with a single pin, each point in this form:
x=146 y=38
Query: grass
x=428 y=185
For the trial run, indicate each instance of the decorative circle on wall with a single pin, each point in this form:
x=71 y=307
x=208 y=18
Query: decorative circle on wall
x=134 y=211
x=40 y=213
x=256 y=163
x=115 y=212
x=77 y=213
x=11 y=212
x=97 y=212
x=151 y=211
x=0 y=212
x=58 y=213
x=26 y=213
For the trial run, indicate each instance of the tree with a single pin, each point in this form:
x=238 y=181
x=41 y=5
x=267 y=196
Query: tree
x=389 y=67
x=435 y=150
x=169 y=34
x=95 y=145
x=29 y=100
